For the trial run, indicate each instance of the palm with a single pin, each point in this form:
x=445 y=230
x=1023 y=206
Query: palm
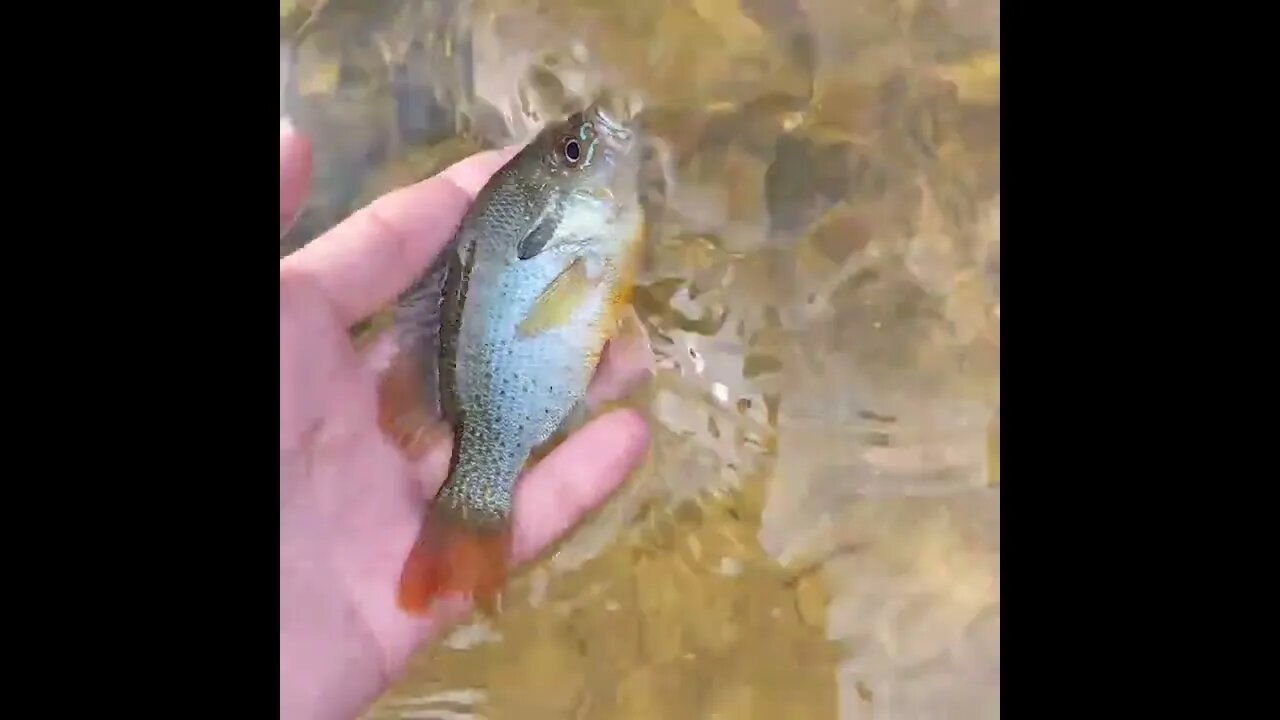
x=350 y=503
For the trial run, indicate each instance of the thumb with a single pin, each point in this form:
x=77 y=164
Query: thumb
x=295 y=174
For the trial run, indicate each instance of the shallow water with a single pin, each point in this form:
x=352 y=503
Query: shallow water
x=816 y=533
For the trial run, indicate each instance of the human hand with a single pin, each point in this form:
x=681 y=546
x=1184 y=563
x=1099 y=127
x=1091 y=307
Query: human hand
x=350 y=504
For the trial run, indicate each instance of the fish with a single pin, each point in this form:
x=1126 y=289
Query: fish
x=500 y=338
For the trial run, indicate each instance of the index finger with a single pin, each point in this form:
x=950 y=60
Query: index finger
x=576 y=478
x=371 y=257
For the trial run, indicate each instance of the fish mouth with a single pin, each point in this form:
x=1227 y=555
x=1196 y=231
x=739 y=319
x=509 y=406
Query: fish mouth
x=616 y=135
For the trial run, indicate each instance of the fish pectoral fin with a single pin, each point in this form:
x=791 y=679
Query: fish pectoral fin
x=538 y=237
x=556 y=305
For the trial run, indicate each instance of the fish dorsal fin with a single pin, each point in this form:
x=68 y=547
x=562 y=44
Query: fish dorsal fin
x=409 y=402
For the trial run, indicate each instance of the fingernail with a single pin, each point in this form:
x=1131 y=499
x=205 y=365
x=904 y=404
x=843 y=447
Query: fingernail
x=286 y=126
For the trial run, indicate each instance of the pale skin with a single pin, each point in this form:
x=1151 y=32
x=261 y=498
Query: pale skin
x=351 y=504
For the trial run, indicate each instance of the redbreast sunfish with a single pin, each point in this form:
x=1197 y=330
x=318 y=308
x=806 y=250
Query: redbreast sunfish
x=520 y=306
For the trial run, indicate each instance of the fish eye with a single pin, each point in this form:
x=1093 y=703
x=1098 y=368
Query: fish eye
x=572 y=150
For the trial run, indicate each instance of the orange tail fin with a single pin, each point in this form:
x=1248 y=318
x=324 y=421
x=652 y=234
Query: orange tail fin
x=452 y=559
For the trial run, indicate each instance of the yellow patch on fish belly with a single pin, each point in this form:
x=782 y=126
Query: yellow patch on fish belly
x=556 y=305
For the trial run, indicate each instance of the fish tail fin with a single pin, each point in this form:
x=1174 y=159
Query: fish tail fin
x=455 y=559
